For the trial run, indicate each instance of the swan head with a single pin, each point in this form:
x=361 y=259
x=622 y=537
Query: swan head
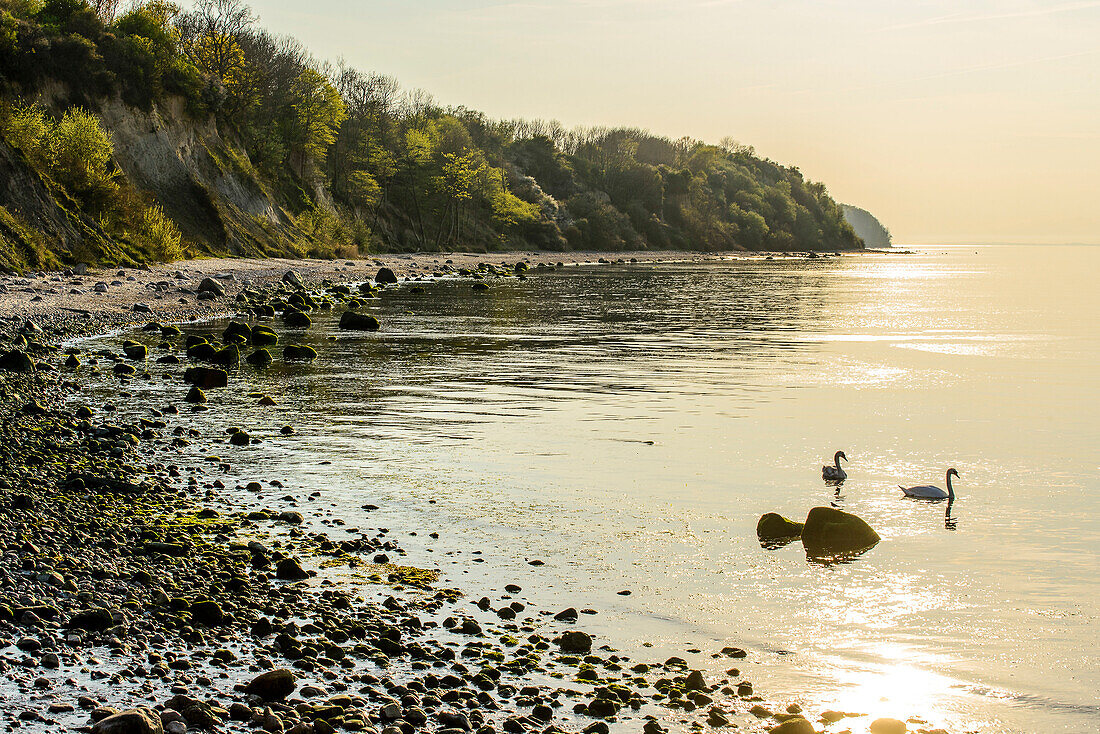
x=952 y=472
x=840 y=455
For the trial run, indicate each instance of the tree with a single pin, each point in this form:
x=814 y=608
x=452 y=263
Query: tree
x=318 y=112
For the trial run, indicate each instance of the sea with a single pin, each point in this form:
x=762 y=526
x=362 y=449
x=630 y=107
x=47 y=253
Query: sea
x=625 y=425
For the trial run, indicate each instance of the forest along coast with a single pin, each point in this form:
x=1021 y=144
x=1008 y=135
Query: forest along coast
x=140 y=595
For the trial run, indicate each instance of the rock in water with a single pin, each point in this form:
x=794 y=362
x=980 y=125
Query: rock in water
x=385 y=275
x=259 y=358
x=134 y=351
x=830 y=532
x=297 y=352
x=205 y=377
x=292 y=278
x=134 y=721
x=274 y=685
x=794 y=726
x=773 y=528
x=358 y=321
x=888 y=726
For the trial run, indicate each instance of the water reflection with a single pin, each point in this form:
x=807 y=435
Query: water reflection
x=628 y=426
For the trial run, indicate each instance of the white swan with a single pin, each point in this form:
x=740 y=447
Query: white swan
x=834 y=473
x=928 y=492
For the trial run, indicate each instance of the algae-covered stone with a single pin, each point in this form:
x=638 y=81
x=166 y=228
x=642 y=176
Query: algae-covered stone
x=259 y=358
x=775 y=527
x=297 y=352
x=289 y=569
x=830 y=532
x=263 y=336
x=134 y=350
x=296 y=319
x=384 y=276
x=358 y=322
x=230 y=356
x=195 y=395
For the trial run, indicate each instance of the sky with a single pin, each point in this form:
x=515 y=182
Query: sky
x=954 y=121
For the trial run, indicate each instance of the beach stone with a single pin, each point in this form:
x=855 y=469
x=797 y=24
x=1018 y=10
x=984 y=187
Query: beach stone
x=567 y=615
x=240 y=438
x=274 y=685
x=209 y=285
x=206 y=377
x=289 y=569
x=230 y=356
x=888 y=726
x=92 y=620
x=133 y=721
x=195 y=395
x=773 y=526
x=292 y=279
x=16 y=361
x=207 y=612
x=695 y=681
x=385 y=276
x=576 y=642
x=358 y=322
x=829 y=531
x=794 y=726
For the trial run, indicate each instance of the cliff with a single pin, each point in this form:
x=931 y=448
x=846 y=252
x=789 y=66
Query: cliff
x=867 y=226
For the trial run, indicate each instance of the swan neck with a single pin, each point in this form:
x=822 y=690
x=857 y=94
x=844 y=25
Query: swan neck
x=950 y=489
x=836 y=460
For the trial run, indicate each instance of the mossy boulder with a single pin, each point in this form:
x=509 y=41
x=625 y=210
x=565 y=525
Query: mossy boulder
x=773 y=528
x=203 y=352
x=299 y=353
x=831 y=532
x=296 y=319
x=230 y=356
x=384 y=276
x=134 y=721
x=259 y=358
x=263 y=336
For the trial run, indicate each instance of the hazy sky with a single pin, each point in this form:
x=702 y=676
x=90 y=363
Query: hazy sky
x=952 y=121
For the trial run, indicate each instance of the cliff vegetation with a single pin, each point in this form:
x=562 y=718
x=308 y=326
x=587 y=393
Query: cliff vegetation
x=153 y=134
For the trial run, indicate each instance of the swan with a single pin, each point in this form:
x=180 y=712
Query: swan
x=928 y=492
x=834 y=472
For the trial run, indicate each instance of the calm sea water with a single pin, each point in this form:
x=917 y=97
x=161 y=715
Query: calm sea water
x=627 y=425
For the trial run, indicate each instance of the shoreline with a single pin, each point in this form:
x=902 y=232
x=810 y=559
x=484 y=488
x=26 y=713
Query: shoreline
x=149 y=584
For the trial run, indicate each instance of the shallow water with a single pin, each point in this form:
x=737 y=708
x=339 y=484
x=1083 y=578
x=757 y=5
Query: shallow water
x=627 y=425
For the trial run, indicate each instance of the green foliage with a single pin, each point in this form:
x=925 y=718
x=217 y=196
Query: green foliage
x=354 y=161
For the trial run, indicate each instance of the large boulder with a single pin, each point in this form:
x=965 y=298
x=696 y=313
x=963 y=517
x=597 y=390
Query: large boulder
x=134 y=721
x=292 y=279
x=385 y=275
x=773 y=529
x=274 y=685
x=358 y=321
x=135 y=351
x=831 y=532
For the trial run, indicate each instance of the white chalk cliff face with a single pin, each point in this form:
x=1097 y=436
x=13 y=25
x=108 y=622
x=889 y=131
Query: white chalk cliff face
x=867 y=226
